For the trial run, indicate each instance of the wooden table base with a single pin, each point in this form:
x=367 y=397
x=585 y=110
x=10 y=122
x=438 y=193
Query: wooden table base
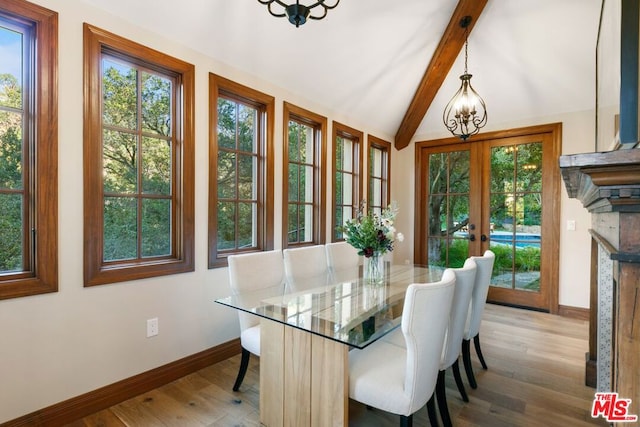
x=303 y=378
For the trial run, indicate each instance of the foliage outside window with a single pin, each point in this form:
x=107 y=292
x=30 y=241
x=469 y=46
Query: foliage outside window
x=241 y=170
x=347 y=182
x=138 y=161
x=379 y=174
x=28 y=126
x=303 y=188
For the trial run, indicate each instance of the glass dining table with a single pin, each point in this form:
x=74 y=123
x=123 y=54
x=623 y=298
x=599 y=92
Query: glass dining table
x=307 y=329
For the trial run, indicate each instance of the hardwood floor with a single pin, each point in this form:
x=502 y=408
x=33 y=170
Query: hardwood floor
x=535 y=378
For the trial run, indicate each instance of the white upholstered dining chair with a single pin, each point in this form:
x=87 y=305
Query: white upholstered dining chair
x=247 y=272
x=305 y=266
x=402 y=379
x=343 y=260
x=478 y=301
x=465 y=279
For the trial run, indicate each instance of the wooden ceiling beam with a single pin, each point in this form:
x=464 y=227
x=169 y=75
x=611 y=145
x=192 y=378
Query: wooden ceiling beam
x=441 y=62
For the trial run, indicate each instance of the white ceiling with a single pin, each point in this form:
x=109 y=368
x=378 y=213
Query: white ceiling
x=529 y=59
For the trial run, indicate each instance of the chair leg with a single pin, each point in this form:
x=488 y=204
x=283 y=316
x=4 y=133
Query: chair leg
x=244 y=364
x=431 y=410
x=441 y=395
x=406 y=420
x=476 y=344
x=466 y=359
x=459 y=383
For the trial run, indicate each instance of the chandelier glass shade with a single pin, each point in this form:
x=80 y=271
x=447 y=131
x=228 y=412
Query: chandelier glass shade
x=298 y=13
x=466 y=113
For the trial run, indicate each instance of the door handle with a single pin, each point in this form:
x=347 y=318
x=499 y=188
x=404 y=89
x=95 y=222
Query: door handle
x=472 y=237
x=483 y=238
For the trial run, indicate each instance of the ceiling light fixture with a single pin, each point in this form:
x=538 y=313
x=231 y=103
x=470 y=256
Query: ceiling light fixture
x=298 y=13
x=466 y=113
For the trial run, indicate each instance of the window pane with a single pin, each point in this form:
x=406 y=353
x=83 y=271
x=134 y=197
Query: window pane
x=247 y=177
x=375 y=162
x=246 y=225
x=11 y=163
x=375 y=193
x=156 y=227
x=306 y=146
x=227 y=113
x=295 y=130
x=120 y=228
x=247 y=135
x=156 y=104
x=347 y=159
x=339 y=152
x=119 y=91
x=294 y=226
x=306 y=184
x=339 y=188
x=306 y=223
x=156 y=166
x=11 y=236
x=294 y=182
x=226 y=236
x=226 y=174
x=11 y=68
x=120 y=162
x=347 y=196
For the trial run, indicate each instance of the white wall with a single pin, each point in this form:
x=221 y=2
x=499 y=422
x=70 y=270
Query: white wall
x=60 y=345
x=575 y=252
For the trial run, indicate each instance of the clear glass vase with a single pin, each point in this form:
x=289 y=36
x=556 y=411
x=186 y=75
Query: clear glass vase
x=373 y=269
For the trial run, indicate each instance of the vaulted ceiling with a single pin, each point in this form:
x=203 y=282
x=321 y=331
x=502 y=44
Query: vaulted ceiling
x=366 y=59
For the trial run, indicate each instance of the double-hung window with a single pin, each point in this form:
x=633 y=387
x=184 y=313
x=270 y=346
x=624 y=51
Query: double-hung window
x=304 y=177
x=241 y=170
x=28 y=149
x=379 y=174
x=347 y=182
x=139 y=161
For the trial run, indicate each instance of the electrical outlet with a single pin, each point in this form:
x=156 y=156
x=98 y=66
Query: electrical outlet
x=152 y=327
x=571 y=225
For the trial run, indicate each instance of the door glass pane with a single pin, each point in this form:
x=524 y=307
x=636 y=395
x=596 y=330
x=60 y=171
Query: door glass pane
x=516 y=212
x=459 y=172
x=448 y=243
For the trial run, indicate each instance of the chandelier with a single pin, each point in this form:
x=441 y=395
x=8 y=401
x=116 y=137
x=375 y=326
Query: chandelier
x=466 y=113
x=298 y=13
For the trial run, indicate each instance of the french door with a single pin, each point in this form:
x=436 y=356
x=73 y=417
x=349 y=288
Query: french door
x=499 y=191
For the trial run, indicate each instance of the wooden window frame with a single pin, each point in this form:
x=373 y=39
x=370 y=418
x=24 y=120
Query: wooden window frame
x=385 y=147
x=96 y=271
x=42 y=138
x=346 y=132
x=319 y=123
x=220 y=86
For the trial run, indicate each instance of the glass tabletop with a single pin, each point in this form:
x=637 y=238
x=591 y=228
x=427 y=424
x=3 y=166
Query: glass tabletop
x=339 y=306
